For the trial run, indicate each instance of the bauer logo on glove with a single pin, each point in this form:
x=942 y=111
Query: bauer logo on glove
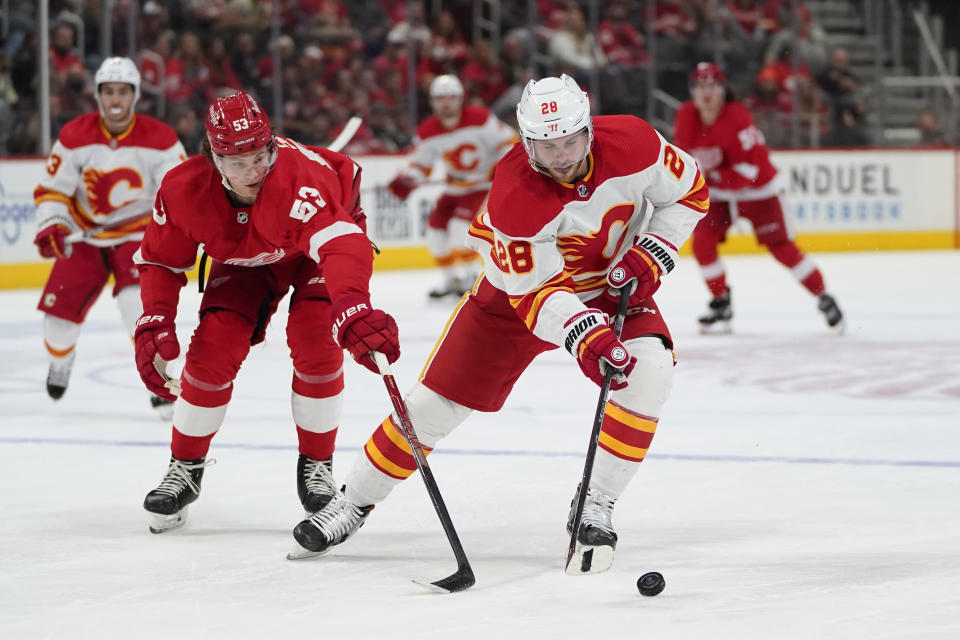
x=341 y=318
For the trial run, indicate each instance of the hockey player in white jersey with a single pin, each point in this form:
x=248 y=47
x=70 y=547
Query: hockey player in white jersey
x=93 y=203
x=469 y=140
x=584 y=207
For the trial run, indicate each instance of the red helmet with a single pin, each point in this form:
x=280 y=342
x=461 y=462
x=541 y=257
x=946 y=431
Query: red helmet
x=708 y=71
x=237 y=124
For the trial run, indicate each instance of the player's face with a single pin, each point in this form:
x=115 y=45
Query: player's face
x=565 y=159
x=447 y=108
x=116 y=99
x=707 y=97
x=246 y=171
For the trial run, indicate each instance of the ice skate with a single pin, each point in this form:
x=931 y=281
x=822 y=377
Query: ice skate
x=828 y=307
x=163 y=407
x=315 y=484
x=445 y=290
x=330 y=526
x=464 y=285
x=58 y=376
x=718 y=318
x=180 y=486
x=596 y=539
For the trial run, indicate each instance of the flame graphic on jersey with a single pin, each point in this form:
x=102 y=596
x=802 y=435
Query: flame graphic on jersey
x=100 y=185
x=589 y=255
x=463 y=158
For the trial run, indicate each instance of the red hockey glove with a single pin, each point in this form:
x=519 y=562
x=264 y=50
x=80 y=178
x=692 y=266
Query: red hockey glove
x=155 y=335
x=594 y=344
x=52 y=241
x=646 y=262
x=360 y=329
x=401 y=186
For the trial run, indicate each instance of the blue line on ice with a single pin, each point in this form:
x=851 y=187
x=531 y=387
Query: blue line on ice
x=952 y=464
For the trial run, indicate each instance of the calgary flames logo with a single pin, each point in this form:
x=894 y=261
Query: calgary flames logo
x=105 y=192
x=589 y=255
x=463 y=157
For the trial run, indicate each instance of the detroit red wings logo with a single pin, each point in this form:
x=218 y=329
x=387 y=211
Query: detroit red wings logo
x=110 y=190
x=587 y=257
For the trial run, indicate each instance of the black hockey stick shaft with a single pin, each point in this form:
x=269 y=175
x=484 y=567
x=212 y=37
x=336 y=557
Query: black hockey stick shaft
x=597 y=424
x=463 y=578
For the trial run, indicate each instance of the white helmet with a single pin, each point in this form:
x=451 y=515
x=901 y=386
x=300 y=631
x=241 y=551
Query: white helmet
x=117 y=69
x=553 y=108
x=446 y=85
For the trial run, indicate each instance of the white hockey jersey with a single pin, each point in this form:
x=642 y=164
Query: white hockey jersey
x=548 y=245
x=469 y=151
x=93 y=178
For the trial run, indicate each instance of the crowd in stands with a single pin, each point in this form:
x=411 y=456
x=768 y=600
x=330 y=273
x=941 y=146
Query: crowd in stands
x=338 y=58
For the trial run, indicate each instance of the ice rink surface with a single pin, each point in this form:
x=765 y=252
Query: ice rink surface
x=801 y=484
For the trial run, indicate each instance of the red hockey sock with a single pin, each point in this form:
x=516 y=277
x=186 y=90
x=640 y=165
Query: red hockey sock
x=317 y=446
x=184 y=447
x=801 y=265
x=717 y=286
x=705 y=251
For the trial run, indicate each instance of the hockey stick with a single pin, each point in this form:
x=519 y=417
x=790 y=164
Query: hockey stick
x=463 y=578
x=127 y=213
x=594 y=438
x=349 y=130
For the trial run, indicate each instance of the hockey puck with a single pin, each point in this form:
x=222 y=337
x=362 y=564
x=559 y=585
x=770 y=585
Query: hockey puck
x=650 y=584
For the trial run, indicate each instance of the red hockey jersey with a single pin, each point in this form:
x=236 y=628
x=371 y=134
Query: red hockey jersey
x=731 y=152
x=309 y=204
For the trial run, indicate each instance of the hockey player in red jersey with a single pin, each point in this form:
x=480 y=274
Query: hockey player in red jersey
x=470 y=140
x=719 y=132
x=273 y=215
x=99 y=184
x=583 y=207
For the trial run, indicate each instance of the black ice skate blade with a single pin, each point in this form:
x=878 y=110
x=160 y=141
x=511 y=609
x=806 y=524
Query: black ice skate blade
x=718 y=328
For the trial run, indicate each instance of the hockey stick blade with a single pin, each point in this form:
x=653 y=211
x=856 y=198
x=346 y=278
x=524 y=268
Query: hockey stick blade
x=462 y=580
x=575 y=550
x=349 y=130
x=463 y=577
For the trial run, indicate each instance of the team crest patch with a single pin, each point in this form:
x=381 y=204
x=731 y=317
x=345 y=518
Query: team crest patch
x=582 y=190
x=242 y=217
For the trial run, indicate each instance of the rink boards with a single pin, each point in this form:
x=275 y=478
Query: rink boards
x=841 y=200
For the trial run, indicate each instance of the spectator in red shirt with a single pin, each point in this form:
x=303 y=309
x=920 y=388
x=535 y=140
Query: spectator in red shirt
x=618 y=39
x=393 y=58
x=482 y=76
x=63 y=56
x=221 y=69
x=447 y=52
